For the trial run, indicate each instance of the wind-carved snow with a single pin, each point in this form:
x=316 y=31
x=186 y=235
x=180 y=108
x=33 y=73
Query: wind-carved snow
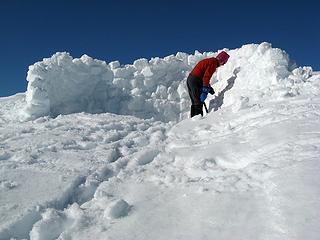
x=249 y=168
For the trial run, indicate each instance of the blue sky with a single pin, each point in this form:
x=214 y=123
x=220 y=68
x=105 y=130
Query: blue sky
x=126 y=30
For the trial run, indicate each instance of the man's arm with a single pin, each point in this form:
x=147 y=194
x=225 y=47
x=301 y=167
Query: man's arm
x=208 y=74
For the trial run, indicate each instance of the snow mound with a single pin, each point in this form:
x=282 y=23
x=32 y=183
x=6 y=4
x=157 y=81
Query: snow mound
x=258 y=71
x=156 y=88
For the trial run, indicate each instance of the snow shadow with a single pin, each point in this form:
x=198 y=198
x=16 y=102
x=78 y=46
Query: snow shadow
x=217 y=102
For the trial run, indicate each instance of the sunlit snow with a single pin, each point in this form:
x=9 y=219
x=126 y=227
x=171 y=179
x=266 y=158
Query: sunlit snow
x=97 y=150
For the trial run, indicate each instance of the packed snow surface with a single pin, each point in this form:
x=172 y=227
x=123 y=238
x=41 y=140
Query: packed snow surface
x=107 y=151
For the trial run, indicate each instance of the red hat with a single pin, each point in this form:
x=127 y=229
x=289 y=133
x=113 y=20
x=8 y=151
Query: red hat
x=223 y=57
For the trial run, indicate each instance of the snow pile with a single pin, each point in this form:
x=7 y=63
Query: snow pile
x=156 y=88
x=258 y=71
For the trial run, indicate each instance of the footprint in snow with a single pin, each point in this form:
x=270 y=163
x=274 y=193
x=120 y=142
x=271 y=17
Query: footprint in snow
x=74 y=145
x=4 y=156
x=27 y=130
x=7 y=184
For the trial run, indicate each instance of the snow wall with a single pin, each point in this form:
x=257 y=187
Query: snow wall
x=157 y=87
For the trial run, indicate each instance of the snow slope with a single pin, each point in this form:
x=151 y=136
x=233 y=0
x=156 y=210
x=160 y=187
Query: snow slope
x=127 y=163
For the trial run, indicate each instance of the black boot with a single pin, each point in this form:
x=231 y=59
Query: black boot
x=196 y=110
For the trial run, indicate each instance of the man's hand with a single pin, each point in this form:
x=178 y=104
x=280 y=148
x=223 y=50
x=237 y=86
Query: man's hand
x=203 y=97
x=204 y=93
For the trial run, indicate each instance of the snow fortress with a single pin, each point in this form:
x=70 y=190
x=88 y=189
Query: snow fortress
x=156 y=88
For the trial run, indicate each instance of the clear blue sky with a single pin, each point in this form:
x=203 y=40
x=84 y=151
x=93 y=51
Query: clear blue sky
x=126 y=30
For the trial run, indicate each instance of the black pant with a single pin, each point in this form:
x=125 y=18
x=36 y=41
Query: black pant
x=194 y=85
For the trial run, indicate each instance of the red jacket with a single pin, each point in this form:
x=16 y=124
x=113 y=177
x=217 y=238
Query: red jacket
x=204 y=70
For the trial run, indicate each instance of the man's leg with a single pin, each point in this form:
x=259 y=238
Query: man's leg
x=194 y=85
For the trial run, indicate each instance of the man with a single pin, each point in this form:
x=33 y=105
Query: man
x=198 y=81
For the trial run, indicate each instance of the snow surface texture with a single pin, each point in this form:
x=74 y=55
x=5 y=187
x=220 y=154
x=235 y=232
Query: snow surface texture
x=249 y=168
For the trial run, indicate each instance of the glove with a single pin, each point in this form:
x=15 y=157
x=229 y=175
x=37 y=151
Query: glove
x=204 y=93
x=203 y=97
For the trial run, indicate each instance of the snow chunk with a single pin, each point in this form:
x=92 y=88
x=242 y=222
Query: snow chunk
x=50 y=227
x=117 y=209
x=140 y=63
x=146 y=156
x=114 y=64
x=304 y=72
x=147 y=72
